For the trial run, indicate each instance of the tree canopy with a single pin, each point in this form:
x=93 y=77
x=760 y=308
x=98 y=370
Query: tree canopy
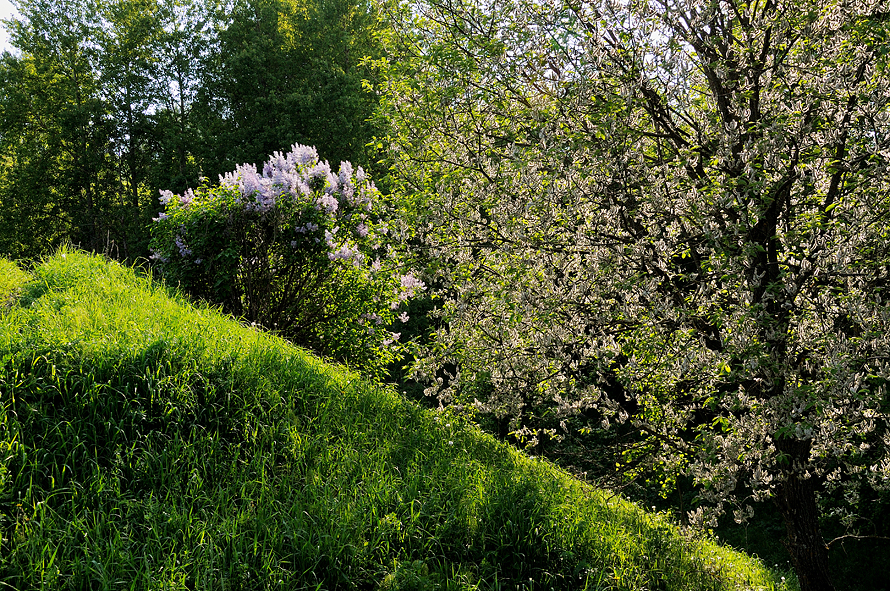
x=109 y=101
x=673 y=214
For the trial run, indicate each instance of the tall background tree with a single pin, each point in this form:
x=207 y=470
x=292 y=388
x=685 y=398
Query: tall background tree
x=291 y=72
x=108 y=101
x=669 y=215
x=183 y=58
x=55 y=133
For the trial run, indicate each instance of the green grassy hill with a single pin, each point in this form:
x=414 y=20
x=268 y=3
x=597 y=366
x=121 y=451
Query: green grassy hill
x=146 y=443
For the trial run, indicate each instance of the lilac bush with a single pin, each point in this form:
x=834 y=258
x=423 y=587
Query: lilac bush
x=299 y=249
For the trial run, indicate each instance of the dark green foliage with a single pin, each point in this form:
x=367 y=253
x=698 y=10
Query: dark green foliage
x=287 y=73
x=108 y=102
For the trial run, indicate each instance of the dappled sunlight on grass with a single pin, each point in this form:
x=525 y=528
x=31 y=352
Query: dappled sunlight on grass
x=151 y=443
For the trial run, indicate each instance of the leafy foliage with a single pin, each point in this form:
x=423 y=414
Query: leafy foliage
x=669 y=214
x=106 y=102
x=300 y=65
x=298 y=249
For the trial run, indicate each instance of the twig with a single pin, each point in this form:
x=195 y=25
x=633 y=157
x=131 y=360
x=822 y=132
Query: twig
x=828 y=545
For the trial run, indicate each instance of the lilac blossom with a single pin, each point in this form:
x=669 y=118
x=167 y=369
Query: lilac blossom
x=302 y=155
x=410 y=282
x=410 y=285
x=307 y=227
x=320 y=170
x=327 y=203
x=302 y=187
x=329 y=237
x=348 y=192
x=332 y=183
x=347 y=252
x=345 y=173
x=393 y=337
x=184 y=250
x=186 y=198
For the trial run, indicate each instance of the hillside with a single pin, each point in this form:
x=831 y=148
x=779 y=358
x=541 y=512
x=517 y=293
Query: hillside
x=151 y=444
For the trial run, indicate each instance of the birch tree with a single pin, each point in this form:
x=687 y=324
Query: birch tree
x=671 y=213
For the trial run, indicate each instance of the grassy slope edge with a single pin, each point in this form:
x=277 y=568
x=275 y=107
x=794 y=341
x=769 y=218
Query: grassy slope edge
x=146 y=443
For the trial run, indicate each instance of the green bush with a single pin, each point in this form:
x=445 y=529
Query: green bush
x=297 y=249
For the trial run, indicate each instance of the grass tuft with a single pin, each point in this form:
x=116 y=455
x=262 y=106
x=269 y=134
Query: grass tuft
x=146 y=443
x=12 y=283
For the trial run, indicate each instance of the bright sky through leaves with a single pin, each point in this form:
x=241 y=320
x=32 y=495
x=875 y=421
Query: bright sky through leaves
x=7 y=10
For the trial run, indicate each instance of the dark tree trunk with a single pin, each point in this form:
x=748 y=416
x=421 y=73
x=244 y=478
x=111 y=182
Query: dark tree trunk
x=796 y=499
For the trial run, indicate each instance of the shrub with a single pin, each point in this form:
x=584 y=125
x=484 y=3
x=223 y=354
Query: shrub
x=297 y=249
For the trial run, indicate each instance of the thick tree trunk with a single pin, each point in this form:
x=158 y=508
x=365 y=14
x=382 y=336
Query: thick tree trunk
x=796 y=499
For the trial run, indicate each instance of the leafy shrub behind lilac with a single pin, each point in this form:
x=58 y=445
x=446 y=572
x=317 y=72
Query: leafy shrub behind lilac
x=298 y=249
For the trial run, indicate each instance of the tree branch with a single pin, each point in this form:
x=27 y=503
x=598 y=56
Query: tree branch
x=850 y=536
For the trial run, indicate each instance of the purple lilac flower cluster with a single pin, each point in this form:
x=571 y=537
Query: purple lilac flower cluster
x=345 y=197
x=409 y=286
x=299 y=172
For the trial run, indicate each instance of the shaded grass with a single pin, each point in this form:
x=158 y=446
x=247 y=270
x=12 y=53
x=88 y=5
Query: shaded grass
x=12 y=283
x=149 y=444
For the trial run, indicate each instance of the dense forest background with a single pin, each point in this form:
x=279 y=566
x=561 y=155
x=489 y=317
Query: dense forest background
x=107 y=102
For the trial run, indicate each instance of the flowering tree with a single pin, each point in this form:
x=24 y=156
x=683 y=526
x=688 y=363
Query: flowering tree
x=298 y=249
x=675 y=213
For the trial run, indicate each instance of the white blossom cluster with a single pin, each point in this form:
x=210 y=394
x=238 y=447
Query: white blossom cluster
x=689 y=200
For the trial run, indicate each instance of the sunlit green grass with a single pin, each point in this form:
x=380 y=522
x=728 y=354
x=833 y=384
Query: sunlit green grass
x=149 y=444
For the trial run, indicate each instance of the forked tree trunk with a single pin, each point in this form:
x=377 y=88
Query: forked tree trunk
x=796 y=500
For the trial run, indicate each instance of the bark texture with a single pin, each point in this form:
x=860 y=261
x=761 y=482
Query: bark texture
x=796 y=499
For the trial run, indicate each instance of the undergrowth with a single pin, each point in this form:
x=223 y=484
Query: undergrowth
x=146 y=443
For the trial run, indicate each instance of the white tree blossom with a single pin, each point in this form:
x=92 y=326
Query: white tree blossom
x=683 y=202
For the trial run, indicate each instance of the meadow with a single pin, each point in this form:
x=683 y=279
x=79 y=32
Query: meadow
x=150 y=443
